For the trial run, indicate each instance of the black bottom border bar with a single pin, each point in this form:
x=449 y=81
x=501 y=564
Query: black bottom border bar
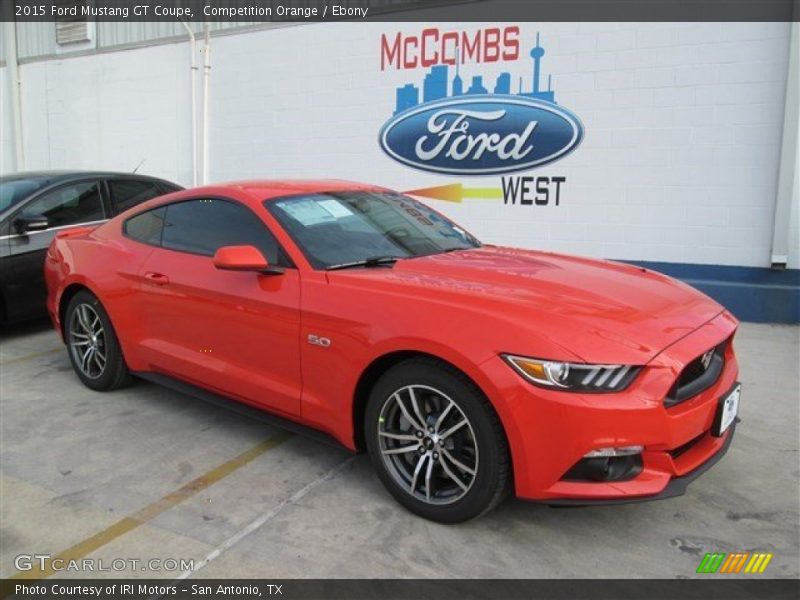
x=707 y=588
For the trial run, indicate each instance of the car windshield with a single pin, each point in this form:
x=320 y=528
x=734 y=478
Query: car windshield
x=13 y=189
x=336 y=229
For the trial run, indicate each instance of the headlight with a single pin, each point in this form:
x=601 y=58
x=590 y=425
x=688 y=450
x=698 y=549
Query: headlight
x=576 y=377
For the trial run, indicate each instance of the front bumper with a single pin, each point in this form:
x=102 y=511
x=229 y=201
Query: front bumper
x=550 y=431
x=676 y=487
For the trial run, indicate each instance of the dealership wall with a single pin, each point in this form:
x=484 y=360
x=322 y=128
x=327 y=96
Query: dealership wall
x=678 y=165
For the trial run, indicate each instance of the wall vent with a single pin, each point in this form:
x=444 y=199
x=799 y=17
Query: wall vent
x=72 y=29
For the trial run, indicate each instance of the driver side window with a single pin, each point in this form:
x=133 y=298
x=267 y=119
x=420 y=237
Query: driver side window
x=69 y=205
x=203 y=226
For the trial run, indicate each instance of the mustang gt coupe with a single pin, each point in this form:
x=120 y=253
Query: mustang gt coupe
x=465 y=370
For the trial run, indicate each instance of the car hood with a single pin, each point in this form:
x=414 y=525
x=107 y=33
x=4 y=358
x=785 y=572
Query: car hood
x=601 y=311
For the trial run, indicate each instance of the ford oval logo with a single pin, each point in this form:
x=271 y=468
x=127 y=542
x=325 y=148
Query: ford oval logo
x=481 y=135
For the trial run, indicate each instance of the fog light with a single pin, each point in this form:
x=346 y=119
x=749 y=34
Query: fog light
x=620 y=451
x=607 y=467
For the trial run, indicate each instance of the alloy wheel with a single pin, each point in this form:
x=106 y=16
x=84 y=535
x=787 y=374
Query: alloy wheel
x=87 y=341
x=428 y=444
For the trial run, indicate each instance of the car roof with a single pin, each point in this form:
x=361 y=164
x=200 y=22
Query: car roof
x=52 y=178
x=256 y=191
x=56 y=176
x=267 y=189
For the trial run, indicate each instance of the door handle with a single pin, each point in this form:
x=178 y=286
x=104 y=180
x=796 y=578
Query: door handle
x=157 y=278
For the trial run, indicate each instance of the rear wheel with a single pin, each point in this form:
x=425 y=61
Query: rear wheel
x=94 y=349
x=436 y=442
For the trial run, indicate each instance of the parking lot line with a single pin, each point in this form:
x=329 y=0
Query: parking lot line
x=149 y=512
x=257 y=523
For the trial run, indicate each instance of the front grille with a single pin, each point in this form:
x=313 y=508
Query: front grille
x=697 y=377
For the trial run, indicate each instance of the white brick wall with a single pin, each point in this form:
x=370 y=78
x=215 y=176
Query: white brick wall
x=679 y=161
x=110 y=111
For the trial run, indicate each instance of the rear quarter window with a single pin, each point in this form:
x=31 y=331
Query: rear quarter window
x=146 y=227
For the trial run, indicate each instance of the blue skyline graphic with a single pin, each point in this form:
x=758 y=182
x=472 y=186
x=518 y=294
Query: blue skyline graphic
x=435 y=86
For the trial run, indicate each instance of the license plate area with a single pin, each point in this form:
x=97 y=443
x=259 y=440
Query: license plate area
x=727 y=411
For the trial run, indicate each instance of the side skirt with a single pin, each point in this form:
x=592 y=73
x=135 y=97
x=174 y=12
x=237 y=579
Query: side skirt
x=239 y=408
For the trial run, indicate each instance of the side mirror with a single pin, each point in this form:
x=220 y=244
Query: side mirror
x=243 y=258
x=31 y=223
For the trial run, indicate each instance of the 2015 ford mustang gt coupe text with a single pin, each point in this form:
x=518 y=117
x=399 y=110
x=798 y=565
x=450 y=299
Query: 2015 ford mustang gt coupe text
x=465 y=370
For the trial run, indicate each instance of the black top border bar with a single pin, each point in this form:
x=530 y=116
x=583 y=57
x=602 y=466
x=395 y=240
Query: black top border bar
x=400 y=10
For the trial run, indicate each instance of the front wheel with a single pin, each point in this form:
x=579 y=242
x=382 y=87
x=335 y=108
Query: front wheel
x=94 y=349
x=436 y=442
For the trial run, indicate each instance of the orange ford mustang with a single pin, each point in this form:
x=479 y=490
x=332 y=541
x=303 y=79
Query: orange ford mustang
x=465 y=370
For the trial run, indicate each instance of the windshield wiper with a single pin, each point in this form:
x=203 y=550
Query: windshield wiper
x=375 y=261
x=456 y=248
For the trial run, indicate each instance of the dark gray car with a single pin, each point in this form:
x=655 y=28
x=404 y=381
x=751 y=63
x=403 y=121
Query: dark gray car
x=37 y=204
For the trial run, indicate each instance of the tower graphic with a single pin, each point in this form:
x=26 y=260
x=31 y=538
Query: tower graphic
x=503 y=85
x=435 y=85
x=407 y=96
x=477 y=85
x=458 y=84
x=537 y=52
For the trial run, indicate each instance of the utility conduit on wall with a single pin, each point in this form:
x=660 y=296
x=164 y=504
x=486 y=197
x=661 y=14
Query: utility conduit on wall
x=193 y=66
x=12 y=65
x=789 y=170
x=206 y=77
x=204 y=158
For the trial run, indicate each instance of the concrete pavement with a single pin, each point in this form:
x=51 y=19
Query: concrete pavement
x=146 y=473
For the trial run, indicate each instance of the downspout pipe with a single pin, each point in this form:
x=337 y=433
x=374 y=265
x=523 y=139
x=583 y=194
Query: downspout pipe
x=206 y=76
x=14 y=83
x=193 y=50
x=789 y=173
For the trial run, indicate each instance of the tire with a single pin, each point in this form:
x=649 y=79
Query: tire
x=474 y=453
x=90 y=337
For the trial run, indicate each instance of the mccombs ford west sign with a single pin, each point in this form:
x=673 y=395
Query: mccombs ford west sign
x=473 y=131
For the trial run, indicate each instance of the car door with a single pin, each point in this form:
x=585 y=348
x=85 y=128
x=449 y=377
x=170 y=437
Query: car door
x=74 y=203
x=236 y=333
x=5 y=267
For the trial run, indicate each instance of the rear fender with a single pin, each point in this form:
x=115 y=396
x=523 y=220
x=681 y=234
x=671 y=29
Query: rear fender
x=75 y=231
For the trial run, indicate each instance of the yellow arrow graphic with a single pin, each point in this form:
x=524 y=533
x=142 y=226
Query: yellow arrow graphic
x=456 y=192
